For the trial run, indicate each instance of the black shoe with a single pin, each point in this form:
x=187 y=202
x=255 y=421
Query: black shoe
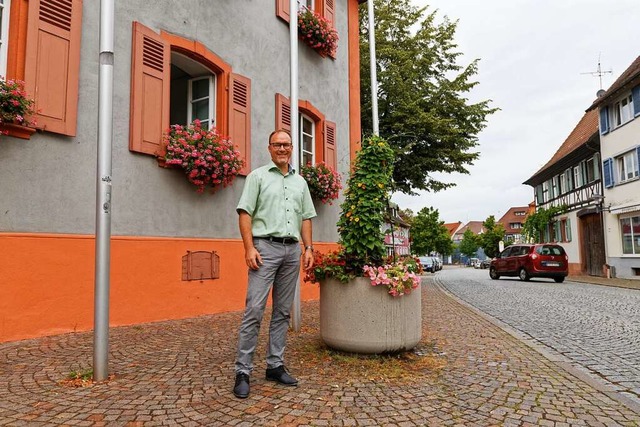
x=281 y=375
x=241 y=389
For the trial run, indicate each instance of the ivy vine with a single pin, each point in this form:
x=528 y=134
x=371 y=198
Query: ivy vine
x=536 y=223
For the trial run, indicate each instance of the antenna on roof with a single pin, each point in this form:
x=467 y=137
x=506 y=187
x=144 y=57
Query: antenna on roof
x=599 y=72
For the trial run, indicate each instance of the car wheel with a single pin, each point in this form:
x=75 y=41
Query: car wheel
x=493 y=273
x=559 y=279
x=523 y=275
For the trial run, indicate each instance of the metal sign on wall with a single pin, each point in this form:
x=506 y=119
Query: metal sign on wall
x=200 y=265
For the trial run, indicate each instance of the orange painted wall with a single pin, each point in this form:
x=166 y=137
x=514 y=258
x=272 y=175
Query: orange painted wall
x=47 y=282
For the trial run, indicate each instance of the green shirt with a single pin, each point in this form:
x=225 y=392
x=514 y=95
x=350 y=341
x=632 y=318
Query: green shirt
x=277 y=203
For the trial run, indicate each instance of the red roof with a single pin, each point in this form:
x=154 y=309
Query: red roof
x=586 y=128
x=510 y=217
x=475 y=227
x=452 y=227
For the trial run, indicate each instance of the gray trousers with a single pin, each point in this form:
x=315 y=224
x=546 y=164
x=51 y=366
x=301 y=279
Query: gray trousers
x=279 y=271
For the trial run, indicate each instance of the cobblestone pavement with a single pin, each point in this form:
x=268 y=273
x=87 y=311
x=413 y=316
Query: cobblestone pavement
x=596 y=328
x=180 y=373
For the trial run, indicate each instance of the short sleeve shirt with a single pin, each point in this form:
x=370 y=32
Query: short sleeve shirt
x=277 y=203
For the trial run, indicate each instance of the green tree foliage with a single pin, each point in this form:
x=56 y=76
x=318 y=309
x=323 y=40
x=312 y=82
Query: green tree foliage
x=423 y=105
x=493 y=234
x=469 y=243
x=428 y=234
x=407 y=215
x=536 y=223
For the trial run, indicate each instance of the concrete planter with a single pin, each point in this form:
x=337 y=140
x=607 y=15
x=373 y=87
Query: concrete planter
x=359 y=318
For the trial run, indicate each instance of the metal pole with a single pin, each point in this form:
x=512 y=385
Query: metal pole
x=103 y=193
x=295 y=155
x=374 y=78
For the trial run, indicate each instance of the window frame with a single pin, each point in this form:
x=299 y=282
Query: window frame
x=5 y=21
x=622 y=110
x=623 y=166
x=635 y=248
x=212 y=116
x=301 y=117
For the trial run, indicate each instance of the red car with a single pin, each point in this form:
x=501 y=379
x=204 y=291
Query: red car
x=527 y=261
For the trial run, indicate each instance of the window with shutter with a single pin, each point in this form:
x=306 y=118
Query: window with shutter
x=52 y=62
x=311 y=128
x=324 y=8
x=176 y=81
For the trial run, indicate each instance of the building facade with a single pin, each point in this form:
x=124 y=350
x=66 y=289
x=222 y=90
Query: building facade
x=512 y=222
x=571 y=179
x=227 y=65
x=619 y=116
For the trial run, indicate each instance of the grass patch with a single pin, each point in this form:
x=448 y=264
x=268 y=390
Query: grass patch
x=422 y=361
x=79 y=378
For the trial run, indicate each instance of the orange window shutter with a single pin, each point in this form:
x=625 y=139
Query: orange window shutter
x=282 y=10
x=240 y=117
x=330 y=155
x=329 y=11
x=52 y=62
x=150 y=86
x=283 y=112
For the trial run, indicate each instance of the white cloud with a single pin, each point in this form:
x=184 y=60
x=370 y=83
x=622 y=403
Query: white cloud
x=532 y=54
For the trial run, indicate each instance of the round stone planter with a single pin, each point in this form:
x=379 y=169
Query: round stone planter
x=359 y=318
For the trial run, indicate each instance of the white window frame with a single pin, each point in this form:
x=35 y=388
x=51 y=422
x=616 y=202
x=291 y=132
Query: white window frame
x=211 y=98
x=306 y=4
x=578 y=176
x=5 y=12
x=302 y=134
x=633 y=235
x=545 y=192
x=623 y=111
x=626 y=164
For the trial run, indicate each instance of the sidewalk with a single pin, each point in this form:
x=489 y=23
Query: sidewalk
x=466 y=372
x=620 y=283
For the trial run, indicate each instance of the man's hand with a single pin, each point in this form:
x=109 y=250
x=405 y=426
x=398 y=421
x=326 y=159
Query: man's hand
x=308 y=260
x=253 y=258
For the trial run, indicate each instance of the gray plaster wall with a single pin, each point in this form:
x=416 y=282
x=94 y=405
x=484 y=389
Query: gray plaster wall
x=48 y=183
x=625 y=267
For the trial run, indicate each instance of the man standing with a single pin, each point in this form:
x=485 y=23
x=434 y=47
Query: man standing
x=275 y=212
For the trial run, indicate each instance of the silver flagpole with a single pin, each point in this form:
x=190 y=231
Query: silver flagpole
x=374 y=78
x=103 y=193
x=295 y=155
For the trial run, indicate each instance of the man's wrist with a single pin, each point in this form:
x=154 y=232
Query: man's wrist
x=308 y=247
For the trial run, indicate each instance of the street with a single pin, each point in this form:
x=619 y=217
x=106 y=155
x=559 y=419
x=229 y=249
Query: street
x=597 y=328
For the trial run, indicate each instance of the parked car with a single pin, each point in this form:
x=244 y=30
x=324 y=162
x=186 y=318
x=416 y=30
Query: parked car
x=527 y=261
x=437 y=263
x=472 y=262
x=485 y=263
x=477 y=263
x=427 y=263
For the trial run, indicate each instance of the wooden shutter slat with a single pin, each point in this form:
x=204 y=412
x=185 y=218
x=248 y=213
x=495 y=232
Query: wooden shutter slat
x=240 y=117
x=283 y=112
x=150 y=88
x=329 y=13
x=52 y=62
x=330 y=155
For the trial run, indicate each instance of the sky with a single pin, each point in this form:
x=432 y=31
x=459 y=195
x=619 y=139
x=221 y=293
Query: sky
x=533 y=56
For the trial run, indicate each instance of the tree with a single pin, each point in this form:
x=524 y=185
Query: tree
x=536 y=223
x=428 y=234
x=493 y=234
x=424 y=110
x=406 y=215
x=469 y=243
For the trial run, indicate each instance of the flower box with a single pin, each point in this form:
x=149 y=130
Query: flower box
x=17 y=131
x=317 y=32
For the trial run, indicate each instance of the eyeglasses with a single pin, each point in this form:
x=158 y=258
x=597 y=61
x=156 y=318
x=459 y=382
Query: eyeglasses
x=281 y=146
